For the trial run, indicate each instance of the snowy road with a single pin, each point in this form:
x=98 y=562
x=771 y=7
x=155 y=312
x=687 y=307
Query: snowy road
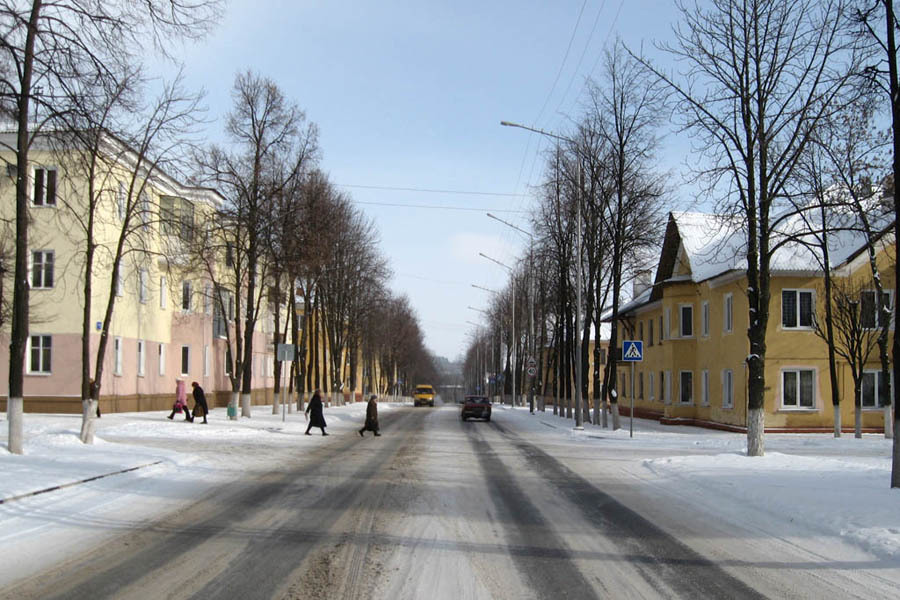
x=438 y=508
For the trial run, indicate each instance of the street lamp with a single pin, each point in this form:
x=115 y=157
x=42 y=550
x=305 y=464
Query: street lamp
x=530 y=306
x=579 y=417
x=512 y=325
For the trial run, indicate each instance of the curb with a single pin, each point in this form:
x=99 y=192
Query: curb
x=65 y=485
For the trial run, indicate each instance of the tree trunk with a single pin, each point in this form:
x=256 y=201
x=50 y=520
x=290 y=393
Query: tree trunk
x=245 y=404
x=233 y=405
x=837 y=420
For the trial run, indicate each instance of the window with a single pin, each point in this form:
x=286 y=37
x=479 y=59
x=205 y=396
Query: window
x=142 y=286
x=704 y=385
x=650 y=331
x=186 y=296
x=874 y=396
x=145 y=210
x=42 y=269
x=229 y=254
x=796 y=309
x=44 y=193
x=140 y=358
x=185 y=360
x=41 y=351
x=207 y=299
x=228 y=360
x=687 y=387
x=162 y=292
x=704 y=319
x=687 y=320
x=206 y=361
x=667 y=327
x=117 y=356
x=662 y=332
x=121 y=198
x=869 y=317
x=120 y=282
x=727 y=389
x=798 y=388
x=668 y=388
x=176 y=217
x=641 y=386
x=161 y=355
x=623 y=391
x=650 y=384
x=727 y=314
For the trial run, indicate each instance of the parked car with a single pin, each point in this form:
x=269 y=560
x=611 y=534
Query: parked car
x=476 y=407
x=423 y=396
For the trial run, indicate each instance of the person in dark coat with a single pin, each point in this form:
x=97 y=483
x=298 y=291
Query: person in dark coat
x=314 y=411
x=201 y=409
x=371 y=417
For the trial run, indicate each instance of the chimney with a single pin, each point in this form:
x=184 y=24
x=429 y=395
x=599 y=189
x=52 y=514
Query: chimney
x=640 y=283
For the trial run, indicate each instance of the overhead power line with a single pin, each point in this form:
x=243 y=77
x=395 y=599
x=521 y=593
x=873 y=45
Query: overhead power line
x=440 y=207
x=431 y=191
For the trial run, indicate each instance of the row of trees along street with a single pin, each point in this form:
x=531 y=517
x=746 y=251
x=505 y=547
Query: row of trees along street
x=73 y=82
x=782 y=100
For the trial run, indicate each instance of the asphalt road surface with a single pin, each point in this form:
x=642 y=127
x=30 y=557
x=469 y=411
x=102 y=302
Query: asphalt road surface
x=434 y=508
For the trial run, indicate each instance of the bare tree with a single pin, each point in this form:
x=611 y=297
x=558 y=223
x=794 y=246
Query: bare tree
x=48 y=48
x=759 y=75
x=270 y=148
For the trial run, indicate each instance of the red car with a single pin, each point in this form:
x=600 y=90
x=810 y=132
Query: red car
x=476 y=407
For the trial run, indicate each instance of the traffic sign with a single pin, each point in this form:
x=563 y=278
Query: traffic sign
x=532 y=371
x=285 y=352
x=532 y=363
x=632 y=351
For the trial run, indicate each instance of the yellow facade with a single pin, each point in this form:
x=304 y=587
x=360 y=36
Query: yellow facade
x=695 y=372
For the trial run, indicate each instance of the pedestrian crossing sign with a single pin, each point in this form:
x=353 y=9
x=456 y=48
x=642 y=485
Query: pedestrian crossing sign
x=632 y=351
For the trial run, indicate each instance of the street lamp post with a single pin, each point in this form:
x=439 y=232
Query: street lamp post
x=491 y=346
x=512 y=324
x=579 y=417
x=531 y=351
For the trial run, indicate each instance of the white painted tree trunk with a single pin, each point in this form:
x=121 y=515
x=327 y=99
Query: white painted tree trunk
x=14 y=409
x=888 y=423
x=235 y=397
x=88 y=421
x=756 y=430
x=276 y=406
x=604 y=417
x=837 y=420
x=614 y=409
x=857 y=425
x=245 y=405
x=290 y=405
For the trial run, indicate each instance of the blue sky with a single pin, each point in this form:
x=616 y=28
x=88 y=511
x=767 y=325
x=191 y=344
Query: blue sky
x=409 y=94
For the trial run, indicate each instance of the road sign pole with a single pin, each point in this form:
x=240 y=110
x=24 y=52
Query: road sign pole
x=631 y=424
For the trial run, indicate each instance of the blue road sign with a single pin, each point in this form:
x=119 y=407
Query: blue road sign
x=632 y=351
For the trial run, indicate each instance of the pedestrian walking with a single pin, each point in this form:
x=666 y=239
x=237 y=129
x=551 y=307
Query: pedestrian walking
x=314 y=410
x=201 y=409
x=371 y=417
x=181 y=403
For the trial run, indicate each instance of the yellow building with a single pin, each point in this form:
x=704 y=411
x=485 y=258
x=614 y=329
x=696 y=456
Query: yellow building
x=693 y=321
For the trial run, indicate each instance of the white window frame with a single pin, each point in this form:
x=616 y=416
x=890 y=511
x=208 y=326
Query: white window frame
x=815 y=382
x=727 y=389
x=206 y=360
x=728 y=313
x=184 y=372
x=120 y=282
x=207 y=300
x=704 y=318
x=812 y=299
x=161 y=356
x=44 y=203
x=121 y=201
x=41 y=369
x=650 y=383
x=681 y=321
x=667 y=322
x=704 y=387
x=45 y=255
x=141 y=357
x=117 y=356
x=668 y=390
x=879 y=404
x=143 y=274
x=681 y=399
x=162 y=292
